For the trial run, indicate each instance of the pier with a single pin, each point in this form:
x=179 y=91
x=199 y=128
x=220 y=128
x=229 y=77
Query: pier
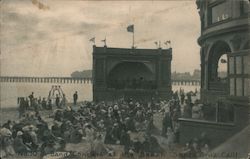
x=13 y=79
x=191 y=82
x=87 y=80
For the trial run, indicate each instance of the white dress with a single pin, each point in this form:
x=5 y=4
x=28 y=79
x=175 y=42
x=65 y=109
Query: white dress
x=170 y=139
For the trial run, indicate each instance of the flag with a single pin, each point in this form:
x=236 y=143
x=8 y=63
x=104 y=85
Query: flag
x=223 y=61
x=92 y=39
x=130 y=28
x=156 y=43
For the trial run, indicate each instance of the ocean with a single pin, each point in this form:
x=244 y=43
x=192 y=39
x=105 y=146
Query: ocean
x=9 y=92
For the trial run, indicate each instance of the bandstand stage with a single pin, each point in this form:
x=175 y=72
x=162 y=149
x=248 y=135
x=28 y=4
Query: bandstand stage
x=131 y=73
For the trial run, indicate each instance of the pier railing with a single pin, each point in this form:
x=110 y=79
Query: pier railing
x=45 y=79
x=186 y=82
x=86 y=80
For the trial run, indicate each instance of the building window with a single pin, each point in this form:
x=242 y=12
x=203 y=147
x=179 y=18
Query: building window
x=239 y=82
x=246 y=87
x=239 y=88
x=246 y=64
x=232 y=87
x=231 y=65
x=219 y=12
x=238 y=65
x=244 y=7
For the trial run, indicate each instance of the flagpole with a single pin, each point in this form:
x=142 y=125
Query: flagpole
x=130 y=29
x=133 y=44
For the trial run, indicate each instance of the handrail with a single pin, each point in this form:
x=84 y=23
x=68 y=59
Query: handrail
x=205 y=121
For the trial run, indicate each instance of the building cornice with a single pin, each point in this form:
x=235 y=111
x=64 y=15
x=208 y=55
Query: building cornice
x=220 y=32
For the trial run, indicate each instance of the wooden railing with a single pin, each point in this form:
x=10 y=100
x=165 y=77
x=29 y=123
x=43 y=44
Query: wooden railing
x=15 y=79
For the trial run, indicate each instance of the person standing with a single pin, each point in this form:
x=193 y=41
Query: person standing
x=63 y=101
x=21 y=107
x=89 y=136
x=44 y=103
x=31 y=97
x=75 y=97
x=187 y=109
x=57 y=101
x=26 y=103
x=189 y=97
x=166 y=123
x=170 y=138
x=182 y=97
x=49 y=107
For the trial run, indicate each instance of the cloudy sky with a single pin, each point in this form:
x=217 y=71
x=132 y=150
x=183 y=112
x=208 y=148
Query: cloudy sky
x=53 y=39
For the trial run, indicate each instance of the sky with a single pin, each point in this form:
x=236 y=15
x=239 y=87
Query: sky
x=53 y=40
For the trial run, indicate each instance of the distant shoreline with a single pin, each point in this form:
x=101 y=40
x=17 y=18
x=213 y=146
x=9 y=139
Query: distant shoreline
x=196 y=75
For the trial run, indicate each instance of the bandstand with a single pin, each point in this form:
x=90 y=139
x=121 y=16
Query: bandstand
x=131 y=73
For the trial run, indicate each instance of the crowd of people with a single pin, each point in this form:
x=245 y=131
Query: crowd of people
x=134 y=83
x=123 y=122
x=183 y=106
x=219 y=111
x=31 y=103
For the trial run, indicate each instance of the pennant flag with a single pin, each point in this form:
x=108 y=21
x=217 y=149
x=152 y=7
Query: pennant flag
x=130 y=28
x=156 y=43
x=104 y=40
x=92 y=39
x=167 y=42
x=40 y=5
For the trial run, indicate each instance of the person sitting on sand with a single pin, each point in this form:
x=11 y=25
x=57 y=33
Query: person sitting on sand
x=99 y=148
x=19 y=146
x=8 y=125
x=28 y=139
x=56 y=129
x=7 y=142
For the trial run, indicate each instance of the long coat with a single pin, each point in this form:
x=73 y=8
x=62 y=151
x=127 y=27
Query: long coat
x=166 y=122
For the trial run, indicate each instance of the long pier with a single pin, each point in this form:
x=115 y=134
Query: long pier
x=88 y=80
x=189 y=82
x=45 y=79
